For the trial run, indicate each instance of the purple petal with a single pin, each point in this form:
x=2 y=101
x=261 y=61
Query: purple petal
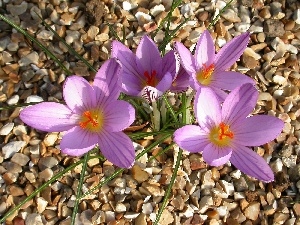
x=107 y=81
x=191 y=138
x=170 y=63
x=249 y=162
x=205 y=50
x=117 y=148
x=131 y=85
x=186 y=58
x=181 y=82
x=149 y=56
x=257 y=130
x=215 y=155
x=78 y=94
x=239 y=103
x=118 y=115
x=126 y=57
x=78 y=141
x=49 y=116
x=165 y=83
x=231 y=52
x=207 y=108
x=228 y=80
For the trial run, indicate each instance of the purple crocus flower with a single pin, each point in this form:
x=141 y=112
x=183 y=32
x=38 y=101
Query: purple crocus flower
x=209 y=69
x=92 y=115
x=223 y=133
x=146 y=73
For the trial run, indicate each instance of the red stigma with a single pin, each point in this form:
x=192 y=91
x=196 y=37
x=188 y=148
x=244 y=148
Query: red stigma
x=224 y=131
x=151 y=79
x=90 y=119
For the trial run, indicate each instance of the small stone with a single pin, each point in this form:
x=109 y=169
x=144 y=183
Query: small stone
x=46 y=174
x=274 y=28
x=252 y=211
x=138 y=174
x=231 y=16
x=31 y=58
x=50 y=139
x=13 y=100
x=296 y=209
x=33 y=98
x=20 y=159
x=6 y=129
x=41 y=204
x=141 y=219
x=47 y=162
x=12 y=147
x=120 y=207
x=264 y=96
x=17 y=10
x=15 y=190
x=296 y=16
x=166 y=218
x=34 y=219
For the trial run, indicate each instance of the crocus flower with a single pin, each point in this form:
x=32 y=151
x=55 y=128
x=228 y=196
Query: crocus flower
x=209 y=69
x=223 y=133
x=92 y=115
x=146 y=73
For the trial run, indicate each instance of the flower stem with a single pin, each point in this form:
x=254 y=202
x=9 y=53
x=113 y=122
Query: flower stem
x=79 y=188
x=169 y=189
x=170 y=108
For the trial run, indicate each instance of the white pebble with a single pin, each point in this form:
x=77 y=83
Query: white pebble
x=143 y=17
x=296 y=16
x=33 y=98
x=6 y=129
x=13 y=100
x=157 y=9
x=147 y=208
x=12 y=147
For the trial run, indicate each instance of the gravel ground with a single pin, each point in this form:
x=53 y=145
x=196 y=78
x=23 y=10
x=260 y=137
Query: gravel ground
x=201 y=194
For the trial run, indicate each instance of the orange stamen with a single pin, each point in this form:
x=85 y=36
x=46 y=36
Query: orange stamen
x=224 y=131
x=205 y=74
x=90 y=120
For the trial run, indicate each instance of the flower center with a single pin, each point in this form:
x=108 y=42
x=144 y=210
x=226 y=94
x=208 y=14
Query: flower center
x=151 y=79
x=91 y=120
x=221 y=135
x=204 y=75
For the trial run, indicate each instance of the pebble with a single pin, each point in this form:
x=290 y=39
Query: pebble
x=141 y=219
x=17 y=10
x=50 y=139
x=34 y=98
x=12 y=147
x=6 y=129
x=32 y=57
x=252 y=211
x=20 y=159
x=34 y=219
x=13 y=100
x=296 y=16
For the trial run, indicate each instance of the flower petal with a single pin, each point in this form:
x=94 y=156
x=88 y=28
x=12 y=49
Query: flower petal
x=205 y=50
x=78 y=141
x=186 y=58
x=131 y=85
x=239 y=103
x=117 y=148
x=165 y=83
x=191 y=138
x=170 y=63
x=118 y=115
x=181 y=82
x=107 y=81
x=249 y=162
x=126 y=57
x=207 y=108
x=231 y=52
x=215 y=155
x=257 y=130
x=78 y=94
x=49 y=116
x=228 y=80
x=149 y=56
